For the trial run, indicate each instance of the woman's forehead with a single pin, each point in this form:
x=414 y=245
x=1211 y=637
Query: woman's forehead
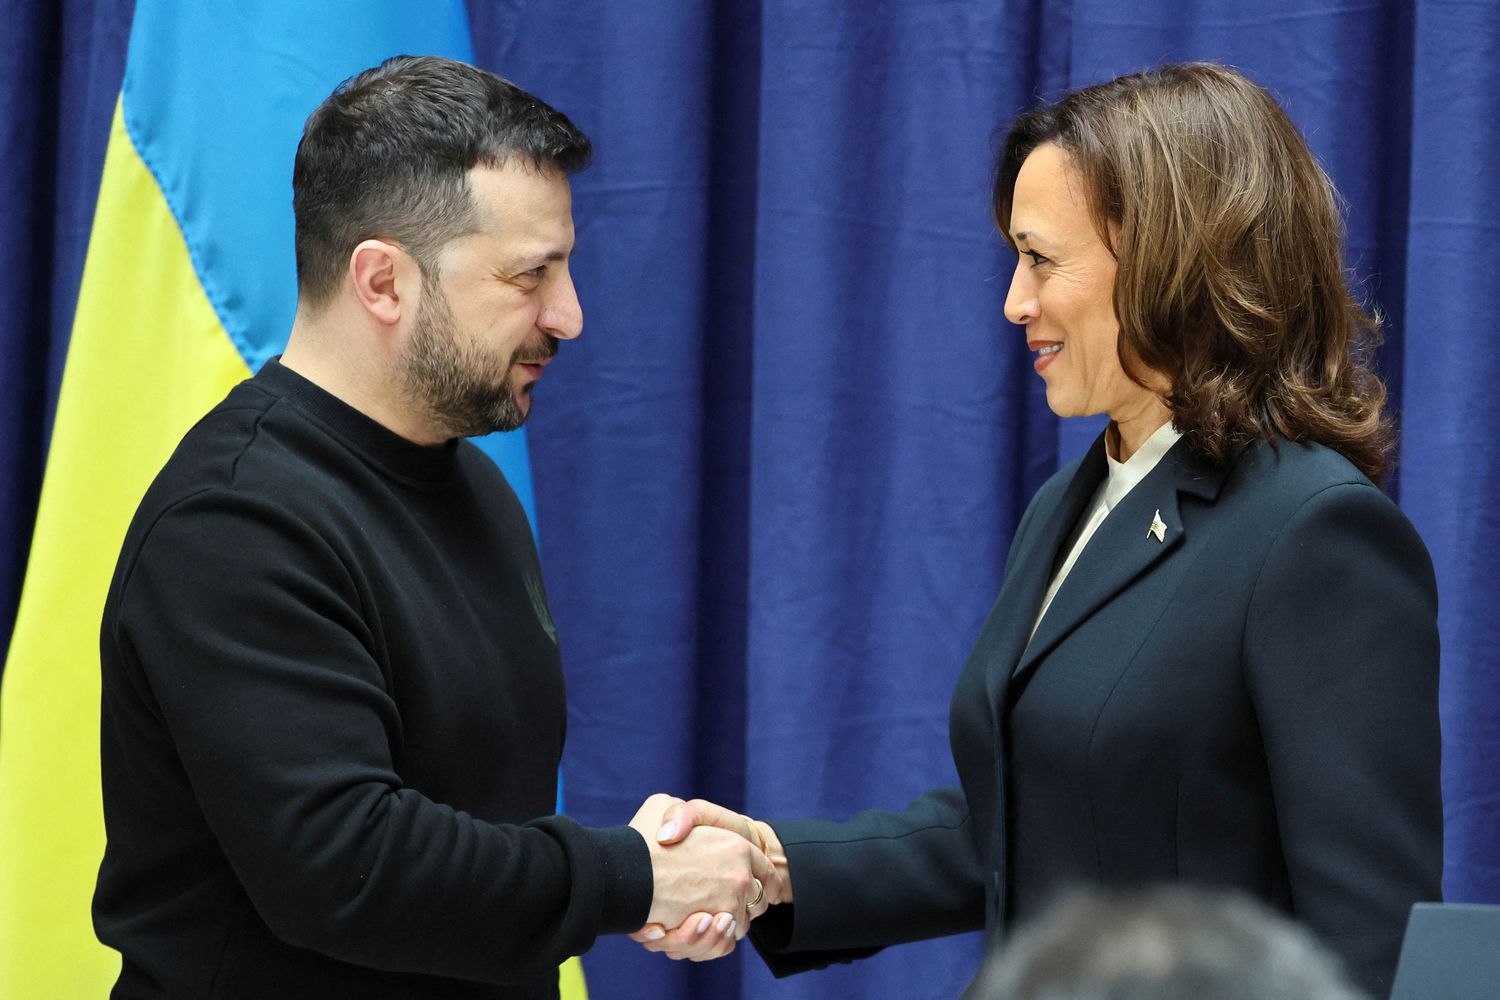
x=1048 y=202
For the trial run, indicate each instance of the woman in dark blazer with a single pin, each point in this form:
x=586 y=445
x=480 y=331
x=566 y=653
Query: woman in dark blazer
x=1214 y=657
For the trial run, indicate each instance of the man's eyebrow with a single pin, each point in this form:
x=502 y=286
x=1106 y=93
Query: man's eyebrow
x=526 y=262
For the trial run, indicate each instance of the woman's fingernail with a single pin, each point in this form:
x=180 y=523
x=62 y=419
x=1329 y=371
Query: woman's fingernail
x=734 y=925
x=703 y=924
x=724 y=921
x=655 y=934
x=667 y=831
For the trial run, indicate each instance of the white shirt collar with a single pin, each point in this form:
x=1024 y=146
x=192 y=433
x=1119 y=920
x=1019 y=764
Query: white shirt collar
x=1123 y=476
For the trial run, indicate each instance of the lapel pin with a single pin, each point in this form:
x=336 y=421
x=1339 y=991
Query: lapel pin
x=1158 y=529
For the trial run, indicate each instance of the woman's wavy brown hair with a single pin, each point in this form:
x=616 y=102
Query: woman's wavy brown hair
x=1229 y=245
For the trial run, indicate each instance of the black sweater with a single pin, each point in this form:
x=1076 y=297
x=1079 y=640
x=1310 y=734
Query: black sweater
x=333 y=711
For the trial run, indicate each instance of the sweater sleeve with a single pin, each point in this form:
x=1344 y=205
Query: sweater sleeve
x=881 y=878
x=247 y=631
x=1341 y=651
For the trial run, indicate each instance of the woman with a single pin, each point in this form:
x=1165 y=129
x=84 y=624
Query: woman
x=1214 y=654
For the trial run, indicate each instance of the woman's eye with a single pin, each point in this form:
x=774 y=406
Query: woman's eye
x=1036 y=259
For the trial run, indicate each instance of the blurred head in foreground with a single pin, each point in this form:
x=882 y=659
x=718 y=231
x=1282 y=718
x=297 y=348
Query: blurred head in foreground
x=1165 y=944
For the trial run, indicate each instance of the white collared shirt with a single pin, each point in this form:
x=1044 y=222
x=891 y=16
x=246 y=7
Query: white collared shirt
x=1122 y=478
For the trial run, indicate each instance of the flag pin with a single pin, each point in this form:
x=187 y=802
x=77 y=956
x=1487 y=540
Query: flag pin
x=1158 y=529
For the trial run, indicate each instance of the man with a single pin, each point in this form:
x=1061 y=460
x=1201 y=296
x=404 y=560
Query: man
x=333 y=704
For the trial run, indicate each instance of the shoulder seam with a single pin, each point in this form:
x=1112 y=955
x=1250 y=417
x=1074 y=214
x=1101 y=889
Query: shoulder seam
x=234 y=466
x=146 y=535
x=169 y=508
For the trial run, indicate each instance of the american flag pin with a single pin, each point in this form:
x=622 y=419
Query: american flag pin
x=1158 y=529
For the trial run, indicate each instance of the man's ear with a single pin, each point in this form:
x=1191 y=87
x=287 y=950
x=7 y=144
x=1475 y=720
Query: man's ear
x=375 y=270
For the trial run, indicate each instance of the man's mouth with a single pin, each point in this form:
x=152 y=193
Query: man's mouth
x=537 y=355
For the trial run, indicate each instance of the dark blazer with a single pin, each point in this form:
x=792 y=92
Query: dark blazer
x=1249 y=703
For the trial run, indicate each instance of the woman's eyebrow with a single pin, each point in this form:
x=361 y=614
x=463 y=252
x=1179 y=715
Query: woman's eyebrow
x=1028 y=236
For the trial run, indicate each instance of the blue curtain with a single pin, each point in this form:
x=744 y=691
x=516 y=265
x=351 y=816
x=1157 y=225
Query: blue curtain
x=777 y=476
x=60 y=72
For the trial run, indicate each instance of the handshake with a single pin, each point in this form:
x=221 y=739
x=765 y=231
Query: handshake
x=714 y=871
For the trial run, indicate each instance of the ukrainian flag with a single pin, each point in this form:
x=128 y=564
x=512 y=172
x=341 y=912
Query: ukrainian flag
x=189 y=286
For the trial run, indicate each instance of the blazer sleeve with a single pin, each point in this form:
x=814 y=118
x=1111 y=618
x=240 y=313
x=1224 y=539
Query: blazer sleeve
x=1341 y=654
x=881 y=878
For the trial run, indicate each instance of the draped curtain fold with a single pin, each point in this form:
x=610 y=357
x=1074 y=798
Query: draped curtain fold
x=777 y=476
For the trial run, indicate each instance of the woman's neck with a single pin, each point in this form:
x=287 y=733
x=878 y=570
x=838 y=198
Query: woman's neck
x=1130 y=430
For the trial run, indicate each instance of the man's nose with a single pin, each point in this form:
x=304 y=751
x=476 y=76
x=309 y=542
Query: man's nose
x=562 y=316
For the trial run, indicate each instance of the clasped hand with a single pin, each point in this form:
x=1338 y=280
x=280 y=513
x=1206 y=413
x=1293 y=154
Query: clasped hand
x=711 y=877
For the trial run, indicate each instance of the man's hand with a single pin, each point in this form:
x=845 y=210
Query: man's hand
x=701 y=935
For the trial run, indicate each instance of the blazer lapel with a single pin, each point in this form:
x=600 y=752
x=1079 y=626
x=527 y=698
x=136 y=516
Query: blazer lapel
x=1004 y=634
x=1142 y=530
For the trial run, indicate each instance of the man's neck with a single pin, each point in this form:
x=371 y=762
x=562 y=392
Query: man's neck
x=360 y=379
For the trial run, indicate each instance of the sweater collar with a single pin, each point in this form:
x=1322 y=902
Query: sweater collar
x=366 y=436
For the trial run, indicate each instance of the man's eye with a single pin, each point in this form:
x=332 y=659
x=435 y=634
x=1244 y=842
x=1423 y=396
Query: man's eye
x=1036 y=259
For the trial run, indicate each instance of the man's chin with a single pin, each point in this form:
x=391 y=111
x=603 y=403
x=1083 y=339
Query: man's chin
x=511 y=417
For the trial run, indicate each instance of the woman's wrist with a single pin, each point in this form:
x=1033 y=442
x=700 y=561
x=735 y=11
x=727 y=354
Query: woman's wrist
x=771 y=845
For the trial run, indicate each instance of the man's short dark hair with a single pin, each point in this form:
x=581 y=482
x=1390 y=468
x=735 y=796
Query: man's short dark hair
x=1164 y=944
x=388 y=155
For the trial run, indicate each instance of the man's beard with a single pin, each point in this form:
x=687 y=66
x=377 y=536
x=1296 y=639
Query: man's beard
x=464 y=391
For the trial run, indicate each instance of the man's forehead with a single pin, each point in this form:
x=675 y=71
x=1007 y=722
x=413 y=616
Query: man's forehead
x=522 y=205
x=518 y=179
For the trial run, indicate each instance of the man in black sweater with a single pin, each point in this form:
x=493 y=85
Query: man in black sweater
x=333 y=701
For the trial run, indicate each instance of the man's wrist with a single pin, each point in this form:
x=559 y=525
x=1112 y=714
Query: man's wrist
x=628 y=877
